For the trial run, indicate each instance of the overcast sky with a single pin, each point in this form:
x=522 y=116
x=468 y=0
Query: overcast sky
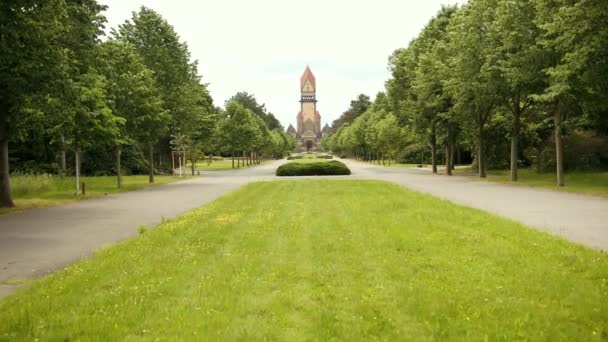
x=263 y=46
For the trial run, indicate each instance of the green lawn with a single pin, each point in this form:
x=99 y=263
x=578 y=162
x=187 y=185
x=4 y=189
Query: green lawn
x=309 y=160
x=47 y=190
x=585 y=182
x=213 y=166
x=322 y=260
x=216 y=165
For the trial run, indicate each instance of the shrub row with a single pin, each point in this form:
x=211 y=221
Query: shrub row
x=331 y=168
x=325 y=156
x=295 y=157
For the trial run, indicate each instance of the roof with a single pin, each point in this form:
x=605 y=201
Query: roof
x=308 y=76
x=317 y=114
x=290 y=129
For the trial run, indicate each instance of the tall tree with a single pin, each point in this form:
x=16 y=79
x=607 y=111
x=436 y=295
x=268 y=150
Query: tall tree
x=357 y=107
x=473 y=81
x=131 y=95
x=574 y=40
x=249 y=101
x=162 y=52
x=432 y=102
x=33 y=53
x=513 y=52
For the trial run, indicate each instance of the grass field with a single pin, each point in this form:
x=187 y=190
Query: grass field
x=324 y=260
x=309 y=158
x=584 y=182
x=216 y=165
x=213 y=166
x=47 y=190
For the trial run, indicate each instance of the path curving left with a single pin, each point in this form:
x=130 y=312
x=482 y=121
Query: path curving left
x=38 y=241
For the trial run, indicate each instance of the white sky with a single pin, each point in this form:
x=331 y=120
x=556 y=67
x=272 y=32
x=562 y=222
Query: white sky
x=263 y=46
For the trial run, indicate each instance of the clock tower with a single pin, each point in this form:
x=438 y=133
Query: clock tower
x=308 y=133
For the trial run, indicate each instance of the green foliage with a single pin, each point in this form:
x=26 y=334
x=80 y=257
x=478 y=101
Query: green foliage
x=357 y=107
x=498 y=80
x=248 y=101
x=330 y=168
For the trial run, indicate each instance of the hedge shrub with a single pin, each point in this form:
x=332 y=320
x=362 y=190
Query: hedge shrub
x=331 y=168
x=295 y=157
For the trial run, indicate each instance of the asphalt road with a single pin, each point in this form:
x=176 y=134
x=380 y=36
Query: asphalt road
x=39 y=241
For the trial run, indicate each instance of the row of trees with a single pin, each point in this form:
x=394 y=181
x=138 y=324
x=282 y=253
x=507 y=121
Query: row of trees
x=493 y=71
x=109 y=101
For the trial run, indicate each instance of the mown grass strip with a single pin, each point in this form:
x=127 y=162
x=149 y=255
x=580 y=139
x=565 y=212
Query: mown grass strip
x=38 y=191
x=319 y=260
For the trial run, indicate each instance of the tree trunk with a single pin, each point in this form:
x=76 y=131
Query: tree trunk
x=539 y=158
x=448 y=158
x=64 y=163
x=559 y=148
x=118 y=167
x=433 y=148
x=452 y=152
x=515 y=144
x=6 y=200
x=151 y=157
x=77 y=167
x=232 y=159
x=481 y=163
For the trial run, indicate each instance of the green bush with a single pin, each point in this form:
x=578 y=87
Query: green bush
x=331 y=168
x=325 y=156
x=295 y=157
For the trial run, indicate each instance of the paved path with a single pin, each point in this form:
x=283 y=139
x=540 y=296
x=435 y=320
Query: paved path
x=579 y=218
x=38 y=241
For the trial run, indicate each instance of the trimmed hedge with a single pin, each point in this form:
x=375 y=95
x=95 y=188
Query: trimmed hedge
x=331 y=168
x=295 y=157
x=325 y=156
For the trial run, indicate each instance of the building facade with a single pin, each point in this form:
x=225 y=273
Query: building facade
x=308 y=132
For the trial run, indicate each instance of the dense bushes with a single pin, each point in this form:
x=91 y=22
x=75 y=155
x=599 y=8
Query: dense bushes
x=325 y=156
x=295 y=157
x=331 y=168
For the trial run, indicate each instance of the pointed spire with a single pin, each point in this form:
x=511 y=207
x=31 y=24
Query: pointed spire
x=307 y=76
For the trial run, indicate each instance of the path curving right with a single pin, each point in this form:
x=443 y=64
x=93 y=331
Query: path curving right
x=579 y=218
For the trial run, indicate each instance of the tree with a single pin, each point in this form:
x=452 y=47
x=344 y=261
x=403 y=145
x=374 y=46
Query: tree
x=357 y=107
x=513 y=52
x=131 y=95
x=390 y=136
x=249 y=101
x=473 y=80
x=432 y=102
x=574 y=39
x=238 y=128
x=30 y=58
x=162 y=52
